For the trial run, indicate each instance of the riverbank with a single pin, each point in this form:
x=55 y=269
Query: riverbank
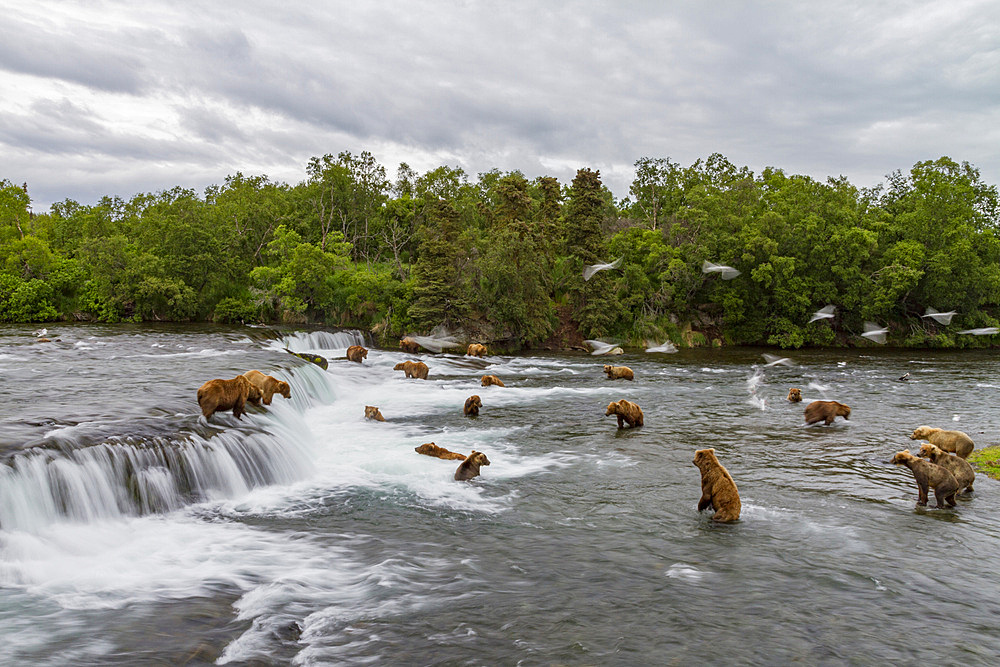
x=987 y=461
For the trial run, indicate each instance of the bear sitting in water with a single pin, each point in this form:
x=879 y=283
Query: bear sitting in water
x=959 y=467
x=430 y=449
x=795 y=395
x=718 y=490
x=618 y=372
x=220 y=395
x=826 y=411
x=356 y=353
x=267 y=386
x=626 y=411
x=930 y=475
x=409 y=345
x=469 y=468
x=489 y=380
x=413 y=369
x=476 y=350
x=373 y=413
x=472 y=405
x=949 y=441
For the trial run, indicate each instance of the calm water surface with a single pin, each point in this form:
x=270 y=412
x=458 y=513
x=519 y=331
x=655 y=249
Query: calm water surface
x=134 y=532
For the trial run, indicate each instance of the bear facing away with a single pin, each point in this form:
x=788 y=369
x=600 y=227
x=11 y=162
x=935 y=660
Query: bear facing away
x=618 y=372
x=950 y=441
x=472 y=405
x=959 y=467
x=795 y=395
x=626 y=411
x=430 y=449
x=373 y=413
x=356 y=353
x=413 y=369
x=490 y=380
x=220 y=395
x=409 y=345
x=826 y=411
x=718 y=490
x=267 y=386
x=476 y=350
x=930 y=475
x=469 y=468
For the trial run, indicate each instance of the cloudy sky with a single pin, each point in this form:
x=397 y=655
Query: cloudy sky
x=108 y=98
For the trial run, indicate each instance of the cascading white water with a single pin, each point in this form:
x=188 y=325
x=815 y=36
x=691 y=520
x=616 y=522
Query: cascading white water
x=72 y=480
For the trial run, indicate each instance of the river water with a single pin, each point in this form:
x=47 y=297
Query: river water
x=133 y=532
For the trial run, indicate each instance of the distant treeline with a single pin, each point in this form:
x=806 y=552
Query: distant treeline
x=501 y=258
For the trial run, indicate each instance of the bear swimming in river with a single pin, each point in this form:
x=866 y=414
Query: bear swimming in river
x=795 y=395
x=469 y=468
x=430 y=449
x=373 y=413
x=489 y=380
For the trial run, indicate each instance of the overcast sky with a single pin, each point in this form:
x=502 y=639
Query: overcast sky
x=108 y=98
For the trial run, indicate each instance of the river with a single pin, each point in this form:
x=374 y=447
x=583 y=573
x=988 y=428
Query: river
x=134 y=532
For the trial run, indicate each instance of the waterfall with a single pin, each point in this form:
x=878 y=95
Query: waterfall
x=68 y=479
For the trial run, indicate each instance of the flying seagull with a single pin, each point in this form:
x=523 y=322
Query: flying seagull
x=600 y=347
x=875 y=333
x=727 y=272
x=774 y=360
x=653 y=346
x=41 y=333
x=985 y=331
x=826 y=312
x=591 y=269
x=940 y=318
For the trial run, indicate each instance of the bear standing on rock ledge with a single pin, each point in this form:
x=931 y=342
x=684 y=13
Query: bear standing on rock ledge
x=220 y=395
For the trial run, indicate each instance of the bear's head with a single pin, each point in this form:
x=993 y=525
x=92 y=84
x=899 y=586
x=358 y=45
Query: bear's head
x=922 y=432
x=364 y=353
x=705 y=457
x=372 y=412
x=843 y=411
x=902 y=457
x=478 y=458
x=612 y=408
x=607 y=368
x=474 y=400
x=794 y=394
x=401 y=366
x=283 y=388
x=929 y=451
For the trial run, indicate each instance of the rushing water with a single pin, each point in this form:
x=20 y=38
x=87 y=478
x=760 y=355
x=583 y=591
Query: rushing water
x=132 y=531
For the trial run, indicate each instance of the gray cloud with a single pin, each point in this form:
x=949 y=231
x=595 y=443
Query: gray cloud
x=855 y=89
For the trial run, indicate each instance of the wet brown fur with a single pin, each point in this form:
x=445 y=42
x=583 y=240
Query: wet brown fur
x=929 y=475
x=718 y=490
x=356 y=353
x=626 y=411
x=413 y=369
x=372 y=412
x=409 y=345
x=492 y=380
x=430 y=449
x=956 y=465
x=221 y=395
x=950 y=441
x=472 y=405
x=619 y=372
x=826 y=411
x=469 y=468
x=795 y=395
x=476 y=350
x=267 y=386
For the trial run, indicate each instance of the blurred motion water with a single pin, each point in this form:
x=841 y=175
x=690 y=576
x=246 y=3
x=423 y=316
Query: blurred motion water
x=133 y=531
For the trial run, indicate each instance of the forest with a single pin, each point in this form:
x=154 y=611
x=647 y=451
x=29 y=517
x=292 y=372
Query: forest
x=499 y=258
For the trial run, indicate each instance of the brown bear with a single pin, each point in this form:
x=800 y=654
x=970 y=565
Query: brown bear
x=356 y=353
x=469 y=468
x=430 y=449
x=959 y=467
x=267 y=386
x=472 y=405
x=372 y=412
x=949 y=441
x=618 y=372
x=626 y=411
x=220 y=395
x=409 y=345
x=413 y=369
x=826 y=411
x=795 y=395
x=930 y=475
x=492 y=380
x=476 y=350
x=718 y=490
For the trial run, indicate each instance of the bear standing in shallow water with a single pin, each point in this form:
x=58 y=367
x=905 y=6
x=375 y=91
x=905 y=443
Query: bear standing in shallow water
x=356 y=353
x=476 y=350
x=220 y=395
x=409 y=345
x=950 y=441
x=472 y=405
x=957 y=466
x=826 y=411
x=929 y=475
x=373 y=413
x=718 y=490
x=413 y=369
x=626 y=411
x=469 y=468
x=618 y=372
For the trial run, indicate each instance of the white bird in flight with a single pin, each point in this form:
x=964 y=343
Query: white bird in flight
x=591 y=269
x=774 y=360
x=41 y=332
x=939 y=317
x=826 y=312
x=727 y=272
x=875 y=332
x=653 y=346
x=985 y=331
x=600 y=347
